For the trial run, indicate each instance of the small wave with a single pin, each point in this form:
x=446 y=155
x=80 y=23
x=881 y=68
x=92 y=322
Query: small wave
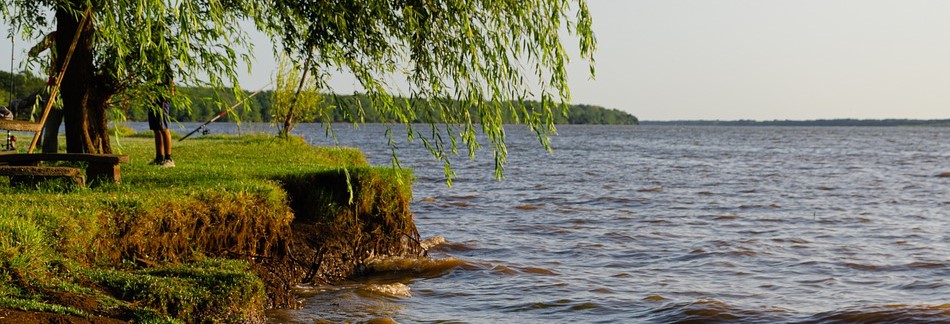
x=732 y=252
x=719 y=264
x=866 y=267
x=794 y=240
x=453 y=247
x=654 y=189
x=588 y=246
x=513 y=270
x=927 y=265
x=460 y=204
x=712 y=311
x=382 y=320
x=600 y=201
x=528 y=207
x=887 y=314
x=432 y=242
x=922 y=285
x=618 y=236
x=425 y=267
x=580 y=221
x=307 y=290
x=392 y=289
x=537 y=271
x=818 y=282
x=897 y=267
x=504 y=270
x=573 y=209
x=585 y=306
x=565 y=304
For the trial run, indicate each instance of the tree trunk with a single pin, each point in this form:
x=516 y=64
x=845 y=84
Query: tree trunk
x=292 y=110
x=85 y=95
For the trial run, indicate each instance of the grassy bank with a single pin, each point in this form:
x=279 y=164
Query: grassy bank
x=219 y=238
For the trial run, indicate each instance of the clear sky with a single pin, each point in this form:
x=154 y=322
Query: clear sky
x=753 y=59
x=769 y=59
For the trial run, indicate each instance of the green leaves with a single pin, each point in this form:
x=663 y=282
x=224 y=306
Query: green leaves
x=138 y=41
x=454 y=54
x=485 y=54
x=295 y=98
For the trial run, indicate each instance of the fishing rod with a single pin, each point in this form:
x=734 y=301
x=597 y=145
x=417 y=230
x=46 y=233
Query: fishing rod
x=224 y=112
x=9 y=143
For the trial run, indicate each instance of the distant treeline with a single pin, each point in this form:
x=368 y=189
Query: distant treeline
x=817 y=122
x=205 y=103
x=23 y=84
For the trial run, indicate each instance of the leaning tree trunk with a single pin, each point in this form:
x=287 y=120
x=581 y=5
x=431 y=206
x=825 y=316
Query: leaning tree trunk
x=292 y=108
x=85 y=95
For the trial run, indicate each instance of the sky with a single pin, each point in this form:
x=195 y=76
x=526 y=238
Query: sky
x=749 y=59
x=771 y=59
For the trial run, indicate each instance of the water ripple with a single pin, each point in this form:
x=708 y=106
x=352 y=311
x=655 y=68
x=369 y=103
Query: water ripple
x=681 y=224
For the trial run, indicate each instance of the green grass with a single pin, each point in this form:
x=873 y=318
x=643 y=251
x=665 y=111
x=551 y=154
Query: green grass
x=155 y=247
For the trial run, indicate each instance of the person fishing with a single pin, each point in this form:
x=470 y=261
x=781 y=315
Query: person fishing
x=5 y=114
x=50 y=137
x=158 y=120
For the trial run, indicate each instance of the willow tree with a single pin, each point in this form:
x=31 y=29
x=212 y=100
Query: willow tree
x=124 y=47
x=467 y=63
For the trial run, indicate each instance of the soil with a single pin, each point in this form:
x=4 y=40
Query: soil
x=84 y=303
x=21 y=317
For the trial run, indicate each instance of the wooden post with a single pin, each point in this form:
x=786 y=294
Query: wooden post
x=59 y=78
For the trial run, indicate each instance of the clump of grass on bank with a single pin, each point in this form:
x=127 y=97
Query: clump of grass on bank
x=214 y=290
x=198 y=242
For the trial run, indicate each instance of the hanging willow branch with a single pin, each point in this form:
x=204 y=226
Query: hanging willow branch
x=468 y=63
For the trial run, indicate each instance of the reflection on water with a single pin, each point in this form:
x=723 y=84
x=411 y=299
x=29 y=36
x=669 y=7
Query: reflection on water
x=672 y=224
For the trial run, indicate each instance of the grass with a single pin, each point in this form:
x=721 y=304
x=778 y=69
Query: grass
x=199 y=242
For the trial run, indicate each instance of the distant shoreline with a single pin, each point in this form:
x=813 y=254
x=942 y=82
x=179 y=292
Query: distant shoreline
x=815 y=122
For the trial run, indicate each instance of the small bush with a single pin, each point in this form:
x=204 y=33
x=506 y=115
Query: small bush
x=209 y=291
x=121 y=130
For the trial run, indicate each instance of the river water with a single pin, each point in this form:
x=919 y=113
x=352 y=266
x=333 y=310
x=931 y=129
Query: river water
x=666 y=224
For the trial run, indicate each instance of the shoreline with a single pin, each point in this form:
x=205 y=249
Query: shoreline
x=175 y=245
x=834 y=122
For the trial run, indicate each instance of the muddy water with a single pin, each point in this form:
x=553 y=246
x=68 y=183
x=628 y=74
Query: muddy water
x=669 y=224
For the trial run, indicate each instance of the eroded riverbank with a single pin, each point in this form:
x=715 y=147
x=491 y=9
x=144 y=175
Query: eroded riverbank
x=223 y=236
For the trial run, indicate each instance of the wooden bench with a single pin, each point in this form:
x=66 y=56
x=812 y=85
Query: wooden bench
x=32 y=174
x=20 y=125
x=100 y=168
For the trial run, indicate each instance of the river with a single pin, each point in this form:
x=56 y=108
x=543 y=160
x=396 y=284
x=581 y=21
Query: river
x=664 y=224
